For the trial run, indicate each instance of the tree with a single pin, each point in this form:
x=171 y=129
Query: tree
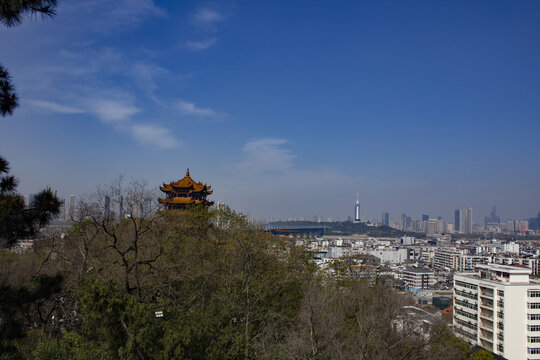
x=18 y=220
x=482 y=355
x=125 y=221
x=8 y=98
x=444 y=345
x=12 y=12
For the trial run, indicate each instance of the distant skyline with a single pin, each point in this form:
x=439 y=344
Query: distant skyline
x=286 y=109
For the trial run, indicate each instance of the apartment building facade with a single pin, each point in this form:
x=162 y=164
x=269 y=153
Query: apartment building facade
x=498 y=308
x=418 y=278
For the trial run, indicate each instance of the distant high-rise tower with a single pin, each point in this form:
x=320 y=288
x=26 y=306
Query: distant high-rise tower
x=357 y=210
x=458 y=222
x=385 y=219
x=71 y=208
x=492 y=218
x=425 y=217
x=467 y=220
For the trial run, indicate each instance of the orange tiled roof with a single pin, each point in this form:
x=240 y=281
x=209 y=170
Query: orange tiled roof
x=186 y=182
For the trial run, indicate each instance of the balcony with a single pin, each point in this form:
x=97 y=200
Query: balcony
x=486 y=304
x=486 y=343
x=486 y=324
x=487 y=292
x=486 y=314
x=465 y=318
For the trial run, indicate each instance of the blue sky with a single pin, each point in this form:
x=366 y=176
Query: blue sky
x=286 y=108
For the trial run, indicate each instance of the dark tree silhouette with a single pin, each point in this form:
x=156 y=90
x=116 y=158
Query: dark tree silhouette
x=8 y=97
x=18 y=220
x=12 y=12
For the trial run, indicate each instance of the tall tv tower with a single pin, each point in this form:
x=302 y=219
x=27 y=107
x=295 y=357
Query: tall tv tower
x=357 y=210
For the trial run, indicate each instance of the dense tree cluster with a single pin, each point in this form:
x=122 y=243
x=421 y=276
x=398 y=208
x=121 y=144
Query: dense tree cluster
x=225 y=290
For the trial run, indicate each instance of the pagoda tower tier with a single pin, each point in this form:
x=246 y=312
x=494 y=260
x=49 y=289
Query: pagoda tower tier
x=185 y=192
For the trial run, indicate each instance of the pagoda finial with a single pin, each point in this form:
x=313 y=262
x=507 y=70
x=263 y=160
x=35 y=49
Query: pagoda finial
x=187 y=172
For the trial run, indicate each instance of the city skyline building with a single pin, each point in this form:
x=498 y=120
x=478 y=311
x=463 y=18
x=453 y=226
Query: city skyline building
x=357 y=210
x=468 y=221
x=458 y=221
x=385 y=219
x=492 y=218
x=71 y=208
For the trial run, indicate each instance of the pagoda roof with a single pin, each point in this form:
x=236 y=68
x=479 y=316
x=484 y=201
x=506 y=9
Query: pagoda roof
x=186 y=183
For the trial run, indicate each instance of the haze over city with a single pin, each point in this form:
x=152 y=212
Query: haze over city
x=286 y=109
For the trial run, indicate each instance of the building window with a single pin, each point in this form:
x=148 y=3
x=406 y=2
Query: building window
x=500 y=292
x=465 y=304
x=533 y=339
x=465 y=285
x=533 y=316
x=464 y=294
x=500 y=304
x=533 y=293
x=533 y=327
x=533 y=305
x=466 y=324
x=466 y=314
x=533 y=350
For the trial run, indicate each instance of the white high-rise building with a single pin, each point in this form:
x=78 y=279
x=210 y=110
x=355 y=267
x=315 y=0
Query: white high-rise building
x=498 y=308
x=458 y=221
x=71 y=208
x=357 y=210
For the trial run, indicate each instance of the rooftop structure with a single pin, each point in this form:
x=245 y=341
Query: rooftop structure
x=185 y=192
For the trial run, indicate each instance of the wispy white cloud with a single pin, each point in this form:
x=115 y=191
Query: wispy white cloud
x=103 y=16
x=207 y=17
x=200 y=45
x=267 y=154
x=145 y=75
x=111 y=111
x=55 y=107
x=190 y=108
x=154 y=135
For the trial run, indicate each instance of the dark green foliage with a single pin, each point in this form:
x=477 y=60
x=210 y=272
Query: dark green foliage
x=22 y=306
x=8 y=98
x=18 y=220
x=116 y=319
x=445 y=345
x=12 y=12
x=482 y=355
x=45 y=206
